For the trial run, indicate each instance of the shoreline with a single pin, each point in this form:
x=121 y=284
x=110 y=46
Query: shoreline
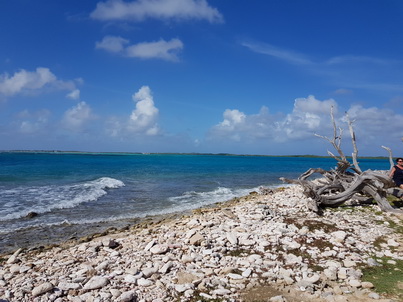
x=71 y=234
x=227 y=251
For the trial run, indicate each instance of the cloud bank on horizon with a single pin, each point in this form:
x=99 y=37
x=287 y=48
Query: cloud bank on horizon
x=189 y=76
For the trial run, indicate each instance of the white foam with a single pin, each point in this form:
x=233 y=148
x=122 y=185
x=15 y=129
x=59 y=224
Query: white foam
x=44 y=199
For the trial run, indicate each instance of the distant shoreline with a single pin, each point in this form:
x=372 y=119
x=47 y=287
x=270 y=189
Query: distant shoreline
x=176 y=153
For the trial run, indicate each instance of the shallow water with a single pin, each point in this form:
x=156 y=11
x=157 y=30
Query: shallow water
x=74 y=194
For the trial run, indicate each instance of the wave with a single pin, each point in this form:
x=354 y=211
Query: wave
x=42 y=199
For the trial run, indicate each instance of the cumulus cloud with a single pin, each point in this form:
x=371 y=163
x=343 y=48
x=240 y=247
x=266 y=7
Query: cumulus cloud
x=308 y=116
x=376 y=122
x=165 y=50
x=144 y=118
x=25 y=81
x=76 y=117
x=156 y=9
x=142 y=122
x=237 y=126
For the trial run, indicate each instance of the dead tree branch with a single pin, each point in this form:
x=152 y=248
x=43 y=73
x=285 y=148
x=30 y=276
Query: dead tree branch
x=347 y=181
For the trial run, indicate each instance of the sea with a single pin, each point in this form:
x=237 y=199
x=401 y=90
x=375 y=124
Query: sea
x=50 y=197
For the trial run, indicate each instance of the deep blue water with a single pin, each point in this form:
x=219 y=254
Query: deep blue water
x=84 y=189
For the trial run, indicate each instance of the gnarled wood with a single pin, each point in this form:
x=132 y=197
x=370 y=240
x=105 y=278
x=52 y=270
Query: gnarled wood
x=347 y=181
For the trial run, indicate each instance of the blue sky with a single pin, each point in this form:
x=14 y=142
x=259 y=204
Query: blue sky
x=219 y=76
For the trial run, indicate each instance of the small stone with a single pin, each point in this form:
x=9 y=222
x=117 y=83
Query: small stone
x=15 y=268
x=246 y=273
x=110 y=243
x=188 y=293
x=127 y=297
x=313 y=279
x=68 y=286
x=330 y=273
x=185 y=277
x=131 y=279
x=235 y=276
x=96 y=282
x=354 y=283
x=181 y=288
x=232 y=238
x=13 y=257
x=159 y=249
x=366 y=284
x=144 y=282
x=393 y=243
x=166 y=268
x=342 y=274
x=374 y=296
x=115 y=292
x=221 y=292
x=339 y=236
x=149 y=271
x=41 y=289
x=196 y=239
x=246 y=242
x=349 y=263
x=187 y=259
x=149 y=245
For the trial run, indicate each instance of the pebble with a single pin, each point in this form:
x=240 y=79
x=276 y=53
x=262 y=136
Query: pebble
x=96 y=282
x=41 y=289
x=216 y=253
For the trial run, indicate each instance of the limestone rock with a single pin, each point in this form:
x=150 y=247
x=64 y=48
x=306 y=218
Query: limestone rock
x=96 y=282
x=41 y=289
x=196 y=239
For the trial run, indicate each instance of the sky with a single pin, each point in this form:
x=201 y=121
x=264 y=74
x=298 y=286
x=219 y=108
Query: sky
x=204 y=76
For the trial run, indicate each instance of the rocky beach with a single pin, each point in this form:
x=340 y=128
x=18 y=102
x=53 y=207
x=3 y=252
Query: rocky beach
x=262 y=247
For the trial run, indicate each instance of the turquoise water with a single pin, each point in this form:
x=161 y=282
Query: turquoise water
x=83 y=190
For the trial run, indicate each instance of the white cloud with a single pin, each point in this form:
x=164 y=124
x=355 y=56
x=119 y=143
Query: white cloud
x=142 y=122
x=165 y=50
x=237 y=126
x=144 y=118
x=373 y=126
x=25 y=80
x=32 y=122
x=312 y=105
x=74 y=95
x=112 y=44
x=31 y=81
x=309 y=115
x=76 y=117
x=156 y=9
x=232 y=118
x=375 y=121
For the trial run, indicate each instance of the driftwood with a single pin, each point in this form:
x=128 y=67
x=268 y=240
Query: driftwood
x=347 y=181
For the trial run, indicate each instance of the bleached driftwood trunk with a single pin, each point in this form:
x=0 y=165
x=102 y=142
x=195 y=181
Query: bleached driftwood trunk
x=347 y=181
